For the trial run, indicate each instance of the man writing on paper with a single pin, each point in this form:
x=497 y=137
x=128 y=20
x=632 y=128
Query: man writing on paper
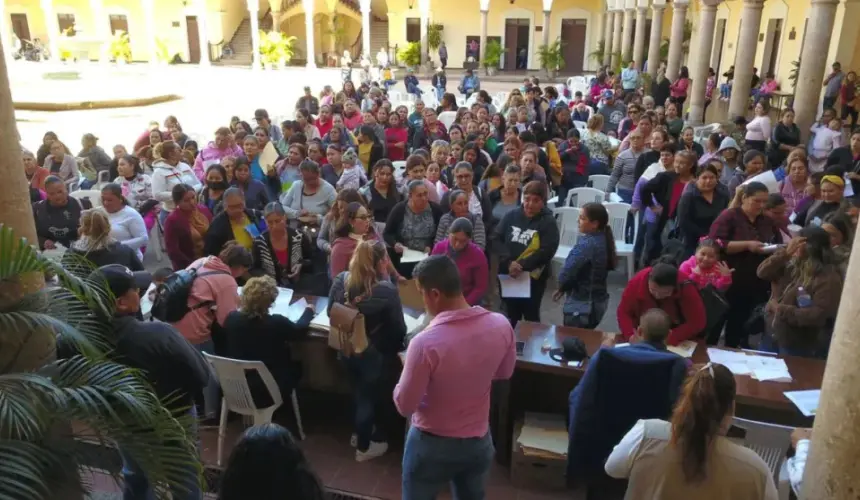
x=445 y=387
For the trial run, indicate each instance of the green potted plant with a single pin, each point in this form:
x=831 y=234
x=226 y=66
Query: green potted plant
x=162 y=52
x=551 y=58
x=119 y=47
x=597 y=54
x=42 y=455
x=434 y=40
x=493 y=57
x=276 y=49
x=410 y=55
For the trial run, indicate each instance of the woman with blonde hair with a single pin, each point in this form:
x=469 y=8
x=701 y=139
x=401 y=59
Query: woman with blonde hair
x=253 y=333
x=367 y=286
x=690 y=457
x=598 y=145
x=96 y=244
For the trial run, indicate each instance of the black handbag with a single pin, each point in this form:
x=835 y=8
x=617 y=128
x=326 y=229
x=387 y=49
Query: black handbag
x=716 y=307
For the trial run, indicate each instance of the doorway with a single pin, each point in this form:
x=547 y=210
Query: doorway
x=717 y=48
x=193 y=39
x=21 y=27
x=413 y=29
x=118 y=22
x=770 y=55
x=573 y=48
x=517 y=44
x=66 y=23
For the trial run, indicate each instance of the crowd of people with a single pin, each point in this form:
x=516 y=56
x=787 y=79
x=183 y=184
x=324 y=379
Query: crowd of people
x=328 y=204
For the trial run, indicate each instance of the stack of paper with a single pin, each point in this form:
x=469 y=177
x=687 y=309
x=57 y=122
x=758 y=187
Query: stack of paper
x=764 y=368
x=295 y=311
x=684 y=349
x=543 y=432
x=321 y=320
x=410 y=255
x=412 y=324
x=515 y=288
x=806 y=401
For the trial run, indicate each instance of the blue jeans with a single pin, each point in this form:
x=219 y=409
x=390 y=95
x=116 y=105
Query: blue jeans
x=137 y=485
x=626 y=195
x=211 y=399
x=86 y=184
x=597 y=167
x=432 y=462
x=365 y=370
x=439 y=93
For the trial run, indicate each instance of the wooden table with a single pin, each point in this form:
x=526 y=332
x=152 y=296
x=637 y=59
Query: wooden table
x=542 y=377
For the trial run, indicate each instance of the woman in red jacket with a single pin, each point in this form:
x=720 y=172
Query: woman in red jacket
x=396 y=137
x=662 y=287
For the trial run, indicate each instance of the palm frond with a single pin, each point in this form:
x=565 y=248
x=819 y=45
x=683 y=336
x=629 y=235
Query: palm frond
x=114 y=405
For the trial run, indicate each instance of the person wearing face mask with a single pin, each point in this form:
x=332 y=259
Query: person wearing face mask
x=212 y=195
x=754 y=164
x=744 y=231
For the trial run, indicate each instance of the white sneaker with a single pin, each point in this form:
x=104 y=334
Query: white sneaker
x=375 y=450
x=353 y=440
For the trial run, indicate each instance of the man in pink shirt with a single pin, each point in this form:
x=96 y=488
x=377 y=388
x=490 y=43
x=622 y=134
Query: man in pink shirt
x=445 y=387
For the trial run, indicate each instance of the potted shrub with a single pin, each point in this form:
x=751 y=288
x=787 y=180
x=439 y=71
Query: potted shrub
x=410 y=56
x=550 y=58
x=162 y=52
x=493 y=57
x=119 y=47
x=597 y=54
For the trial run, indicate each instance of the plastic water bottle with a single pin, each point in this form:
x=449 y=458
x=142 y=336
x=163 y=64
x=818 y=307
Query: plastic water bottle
x=803 y=298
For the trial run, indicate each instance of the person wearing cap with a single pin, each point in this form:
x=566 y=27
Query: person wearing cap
x=411 y=82
x=612 y=111
x=96 y=155
x=729 y=153
x=470 y=84
x=308 y=102
x=167 y=361
x=261 y=116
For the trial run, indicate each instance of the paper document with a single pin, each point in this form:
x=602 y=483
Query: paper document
x=684 y=349
x=321 y=321
x=515 y=288
x=412 y=323
x=410 y=255
x=295 y=312
x=56 y=253
x=282 y=302
x=409 y=295
x=544 y=432
x=771 y=375
x=805 y=401
x=268 y=157
x=764 y=368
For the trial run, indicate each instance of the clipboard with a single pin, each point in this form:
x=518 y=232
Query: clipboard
x=268 y=158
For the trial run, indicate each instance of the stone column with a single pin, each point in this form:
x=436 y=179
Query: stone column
x=52 y=25
x=833 y=464
x=365 y=27
x=309 y=33
x=424 y=8
x=203 y=33
x=707 y=23
x=679 y=17
x=639 y=38
x=745 y=59
x=616 y=37
x=254 y=16
x=151 y=38
x=545 y=31
x=656 y=41
x=627 y=36
x=5 y=35
x=102 y=29
x=813 y=64
x=482 y=48
x=607 y=38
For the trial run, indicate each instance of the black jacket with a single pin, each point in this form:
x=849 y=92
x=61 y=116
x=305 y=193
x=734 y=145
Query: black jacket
x=376 y=154
x=266 y=264
x=383 y=313
x=265 y=339
x=395 y=222
x=174 y=368
x=661 y=91
x=695 y=214
x=660 y=188
x=514 y=234
x=58 y=224
x=486 y=208
x=644 y=161
x=220 y=231
x=113 y=253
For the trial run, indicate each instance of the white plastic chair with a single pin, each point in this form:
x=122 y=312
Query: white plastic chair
x=156 y=240
x=700 y=134
x=102 y=179
x=94 y=195
x=584 y=195
x=447 y=118
x=472 y=99
x=618 y=222
x=461 y=100
x=574 y=80
x=237 y=395
x=771 y=443
x=598 y=181
x=395 y=96
x=567 y=219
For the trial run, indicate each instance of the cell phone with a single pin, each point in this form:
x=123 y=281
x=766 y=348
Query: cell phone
x=520 y=345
